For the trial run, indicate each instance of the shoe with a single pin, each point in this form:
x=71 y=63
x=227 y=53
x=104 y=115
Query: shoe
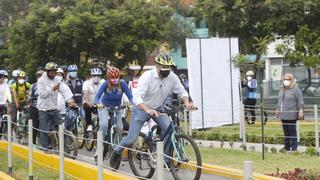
x=115 y=160
x=89 y=128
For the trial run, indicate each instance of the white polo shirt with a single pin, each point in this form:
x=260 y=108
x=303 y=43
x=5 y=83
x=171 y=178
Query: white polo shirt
x=152 y=91
x=5 y=94
x=92 y=88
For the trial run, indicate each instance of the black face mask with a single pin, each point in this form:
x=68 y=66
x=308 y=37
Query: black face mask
x=164 y=73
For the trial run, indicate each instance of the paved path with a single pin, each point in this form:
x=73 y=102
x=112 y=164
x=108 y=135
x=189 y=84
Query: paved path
x=86 y=156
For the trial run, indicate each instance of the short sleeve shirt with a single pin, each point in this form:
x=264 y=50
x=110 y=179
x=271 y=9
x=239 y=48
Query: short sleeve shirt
x=22 y=91
x=91 y=88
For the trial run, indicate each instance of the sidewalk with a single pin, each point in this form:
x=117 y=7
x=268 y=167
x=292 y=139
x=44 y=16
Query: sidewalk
x=236 y=145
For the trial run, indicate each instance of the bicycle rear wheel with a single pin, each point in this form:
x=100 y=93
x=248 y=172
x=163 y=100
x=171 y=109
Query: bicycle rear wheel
x=70 y=145
x=141 y=162
x=186 y=163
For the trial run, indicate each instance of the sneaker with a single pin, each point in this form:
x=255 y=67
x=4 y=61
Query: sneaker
x=115 y=160
x=89 y=128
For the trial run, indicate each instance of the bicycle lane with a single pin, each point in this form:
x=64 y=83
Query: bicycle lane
x=88 y=157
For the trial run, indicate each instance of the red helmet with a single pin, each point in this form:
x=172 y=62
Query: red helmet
x=113 y=73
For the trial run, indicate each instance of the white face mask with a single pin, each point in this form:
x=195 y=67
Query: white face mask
x=286 y=83
x=249 y=78
x=96 y=79
x=6 y=80
x=21 y=81
x=59 y=78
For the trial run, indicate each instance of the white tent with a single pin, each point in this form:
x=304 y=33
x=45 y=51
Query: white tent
x=213 y=81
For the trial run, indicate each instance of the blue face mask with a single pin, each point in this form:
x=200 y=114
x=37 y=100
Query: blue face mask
x=73 y=74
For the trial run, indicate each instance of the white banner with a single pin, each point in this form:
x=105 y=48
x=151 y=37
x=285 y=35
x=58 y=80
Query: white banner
x=214 y=83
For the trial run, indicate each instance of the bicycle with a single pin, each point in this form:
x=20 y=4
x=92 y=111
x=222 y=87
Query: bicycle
x=21 y=128
x=76 y=123
x=92 y=135
x=70 y=142
x=179 y=145
x=3 y=122
x=114 y=134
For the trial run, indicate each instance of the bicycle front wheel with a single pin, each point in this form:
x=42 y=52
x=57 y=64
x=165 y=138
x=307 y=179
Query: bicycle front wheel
x=186 y=160
x=80 y=134
x=142 y=163
x=70 y=145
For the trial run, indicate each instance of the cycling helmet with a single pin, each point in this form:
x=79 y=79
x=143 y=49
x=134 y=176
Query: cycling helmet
x=64 y=67
x=72 y=67
x=164 y=59
x=249 y=73
x=22 y=74
x=6 y=73
x=60 y=70
x=15 y=73
x=95 y=71
x=2 y=73
x=113 y=73
x=51 y=66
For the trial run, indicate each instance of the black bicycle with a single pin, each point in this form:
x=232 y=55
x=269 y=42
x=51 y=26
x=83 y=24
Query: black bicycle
x=76 y=123
x=185 y=162
x=3 y=122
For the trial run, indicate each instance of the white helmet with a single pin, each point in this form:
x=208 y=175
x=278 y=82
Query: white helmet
x=249 y=73
x=95 y=71
x=15 y=73
x=60 y=70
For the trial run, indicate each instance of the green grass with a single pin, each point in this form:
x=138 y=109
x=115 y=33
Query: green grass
x=272 y=163
x=20 y=169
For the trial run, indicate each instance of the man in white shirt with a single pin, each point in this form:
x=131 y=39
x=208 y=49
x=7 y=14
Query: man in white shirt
x=49 y=85
x=153 y=88
x=89 y=91
x=5 y=94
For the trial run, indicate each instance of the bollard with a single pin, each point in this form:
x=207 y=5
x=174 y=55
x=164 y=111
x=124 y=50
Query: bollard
x=316 y=128
x=100 y=155
x=61 y=151
x=160 y=162
x=10 y=145
x=298 y=131
x=30 y=148
x=242 y=132
x=247 y=170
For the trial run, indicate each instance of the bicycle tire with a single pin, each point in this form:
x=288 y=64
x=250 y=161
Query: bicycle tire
x=70 y=145
x=89 y=144
x=80 y=132
x=175 y=168
x=145 y=146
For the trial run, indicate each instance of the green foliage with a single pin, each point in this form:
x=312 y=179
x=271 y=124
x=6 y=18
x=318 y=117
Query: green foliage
x=273 y=150
x=252 y=148
x=243 y=147
x=311 y=151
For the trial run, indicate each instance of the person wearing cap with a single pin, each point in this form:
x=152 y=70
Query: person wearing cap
x=20 y=93
x=153 y=88
x=61 y=101
x=89 y=91
x=34 y=115
x=250 y=84
x=49 y=85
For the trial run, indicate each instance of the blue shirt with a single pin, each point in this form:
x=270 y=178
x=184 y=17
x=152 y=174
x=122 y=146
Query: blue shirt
x=112 y=97
x=251 y=89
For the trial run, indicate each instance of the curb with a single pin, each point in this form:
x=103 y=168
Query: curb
x=72 y=167
x=4 y=176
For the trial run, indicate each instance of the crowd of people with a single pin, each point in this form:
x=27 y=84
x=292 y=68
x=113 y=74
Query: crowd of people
x=59 y=87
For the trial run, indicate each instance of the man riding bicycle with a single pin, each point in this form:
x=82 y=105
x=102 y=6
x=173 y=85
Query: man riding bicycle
x=20 y=93
x=49 y=85
x=153 y=88
x=5 y=95
x=90 y=89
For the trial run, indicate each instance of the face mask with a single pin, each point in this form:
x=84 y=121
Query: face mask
x=96 y=80
x=249 y=78
x=164 y=72
x=21 y=81
x=73 y=74
x=59 y=78
x=286 y=83
x=6 y=80
x=114 y=81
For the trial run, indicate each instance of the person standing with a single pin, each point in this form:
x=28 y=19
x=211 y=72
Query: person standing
x=75 y=84
x=250 y=85
x=289 y=109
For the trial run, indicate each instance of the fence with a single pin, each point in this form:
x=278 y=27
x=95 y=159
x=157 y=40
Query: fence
x=100 y=165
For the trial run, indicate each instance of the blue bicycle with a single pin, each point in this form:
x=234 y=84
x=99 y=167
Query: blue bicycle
x=185 y=162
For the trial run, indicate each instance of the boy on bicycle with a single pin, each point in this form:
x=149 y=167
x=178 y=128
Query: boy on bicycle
x=153 y=88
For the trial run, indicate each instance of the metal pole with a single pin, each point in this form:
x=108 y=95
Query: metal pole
x=190 y=123
x=160 y=162
x=298 y=131
x=261 y=111
x=10 y=145
x=100 y=155
x=231 y=81
x=30 y=148
x=61 y=151
x=201 y=82
x=316 y=128
x=247 y=170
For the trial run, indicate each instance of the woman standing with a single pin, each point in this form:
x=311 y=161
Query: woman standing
x=289 y=110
